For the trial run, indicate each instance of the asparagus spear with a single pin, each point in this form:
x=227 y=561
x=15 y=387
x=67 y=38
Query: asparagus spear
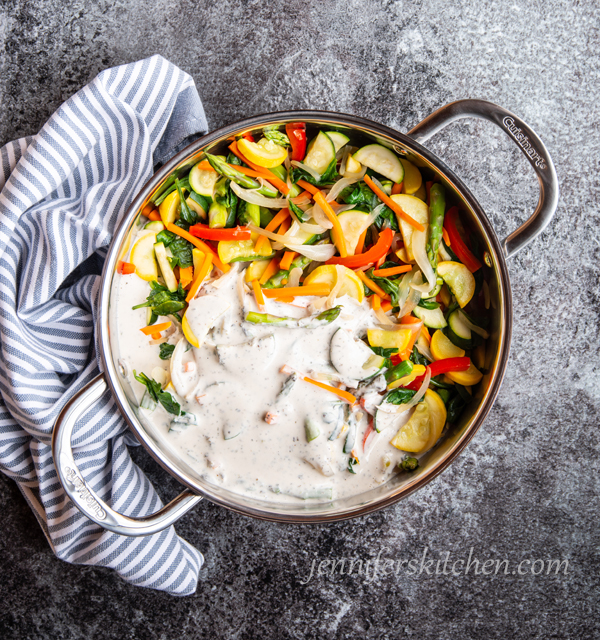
x=238 y=177
x=437 y=209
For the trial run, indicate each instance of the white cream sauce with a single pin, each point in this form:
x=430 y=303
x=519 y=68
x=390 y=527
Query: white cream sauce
x=233 y=381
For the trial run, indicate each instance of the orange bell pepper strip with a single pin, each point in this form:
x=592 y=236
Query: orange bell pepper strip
x=156 y=328
x=320 y=289
x=276 y=222
x=371 y=256
x=392 y=271
x=205 y=248
x=347 y=396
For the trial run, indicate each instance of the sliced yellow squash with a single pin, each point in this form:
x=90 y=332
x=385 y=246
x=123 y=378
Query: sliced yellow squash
x=416 y=209
x=459 y=279
x=416 y=433
x=467 y=378
x=264 y=153
x=437 y=417
x=441 y=347
x=256 y=269
x=142 y=256
x=328 y=274
x=353 y=224
x=413 y=180
x=169 y=208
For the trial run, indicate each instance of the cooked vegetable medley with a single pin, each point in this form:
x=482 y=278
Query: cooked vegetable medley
x=309 y=290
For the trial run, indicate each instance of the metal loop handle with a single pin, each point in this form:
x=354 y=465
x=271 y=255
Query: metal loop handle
x=526 y=138
x=83 y=496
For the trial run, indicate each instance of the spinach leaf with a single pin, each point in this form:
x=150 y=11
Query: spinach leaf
x=359 y=194
x=400 y=396
x=428 y=304
x=390 y=216
x=328 y=177
x=417 y=358
x=454 y=408
x=382 y=351
x=297 y=211
x=166 y=351
x=187 y=214
x=162 y=301
x=391 y=287
x=180 y=247
x=158 y=395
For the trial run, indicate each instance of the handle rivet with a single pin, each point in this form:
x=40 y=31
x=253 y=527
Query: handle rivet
x=487 y=258
x=122 y=369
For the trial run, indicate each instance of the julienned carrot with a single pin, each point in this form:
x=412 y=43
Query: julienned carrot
x=409 y=320
x=307 y=186
x=285 y=225
x=348 y=397
x=147 y=210
x=263 y=241
x=392 y=271
x=375 y=302
x=446 y=237
x=205 y=248
x=264 y=173
x=302 y=196
x=186 y=275
x=258 y=294
x=154 y=216
x=205 y=269
x=360 y=245
x=386 y=306
x=397 y=188
x=392 y=205
x=234 y=233
x=337 y=227
x=286 y=261
x=319 y=289
x=377 y=289
x=405 y=355
x=372 y=255
x=270 y=271
x=156 y=328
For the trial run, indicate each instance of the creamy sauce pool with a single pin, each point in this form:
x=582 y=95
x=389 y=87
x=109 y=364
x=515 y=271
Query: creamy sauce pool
x=234 y=380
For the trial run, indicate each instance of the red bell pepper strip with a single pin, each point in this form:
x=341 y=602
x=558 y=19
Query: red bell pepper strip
x=125 y=268
x=249 y=137
x=439 y=367
x=456 y=242
x=371 y=256
x=235 y=233
x=296 y=132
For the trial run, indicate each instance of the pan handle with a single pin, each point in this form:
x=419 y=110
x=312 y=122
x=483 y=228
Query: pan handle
x=530 y=145
x=83 y=496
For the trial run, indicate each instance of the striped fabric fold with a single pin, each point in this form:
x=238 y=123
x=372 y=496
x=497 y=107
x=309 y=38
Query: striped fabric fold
x=63 y=193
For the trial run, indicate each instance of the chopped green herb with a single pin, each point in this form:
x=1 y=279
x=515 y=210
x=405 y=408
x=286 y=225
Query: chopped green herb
x=158 y=395
x=166 y=351
x=162 y=301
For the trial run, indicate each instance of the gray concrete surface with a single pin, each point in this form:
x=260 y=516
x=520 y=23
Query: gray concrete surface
x=527 y=487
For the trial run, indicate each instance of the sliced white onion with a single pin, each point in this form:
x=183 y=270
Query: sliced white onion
x=300 y=165
x=294 y=277
x=320 y=218
x=342 y=170
x=339 y=281
x=378 y=184
x=338 y=208
x=424 y=350
x=413 y=297
x=340 y=185
x=478 y=330
x=287 y=163
x=404 y=287
x=320 y=252
x=251 y=196
x=419 y=241
x=387 y=407
x=384 y=319
x=314 y=229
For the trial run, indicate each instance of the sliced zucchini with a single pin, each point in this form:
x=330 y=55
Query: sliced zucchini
x=433 y=293
x=353 y=224
x=202 y=181
x=236 y=250
x=165 y=268
x=394 y=339
x=142 y=256
x=382 y=160
x=458 y=326
x=195 y=206
x=459 y=279
x=413 y=180
x=349 y=356
x=321 y=153
x=155 y=226
x=416 y=209
x=338 y=139
x=433 y=318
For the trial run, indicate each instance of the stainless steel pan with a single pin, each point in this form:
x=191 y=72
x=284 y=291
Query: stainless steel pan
x=399 y=486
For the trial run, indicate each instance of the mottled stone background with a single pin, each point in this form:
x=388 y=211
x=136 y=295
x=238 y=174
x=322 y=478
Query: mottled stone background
x=527 y=486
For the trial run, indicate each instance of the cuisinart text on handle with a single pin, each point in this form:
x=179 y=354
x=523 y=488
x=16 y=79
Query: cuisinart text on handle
x=84 y=493
x=523 y=142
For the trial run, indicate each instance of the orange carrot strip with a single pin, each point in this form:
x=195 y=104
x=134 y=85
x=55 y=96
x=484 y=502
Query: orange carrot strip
x=409 y=319
x=276 y=222
x=205 y=248
x=392 y=205
x=264 y=173
x=348 y=397
x=286 y=300
x=156 y=336
x=148 y=209
x=270 y=271
x=446 y=237
x=397 y=187
x=258 y=294
x=360 y=245
x=156 y=328
x=285 y=225
x=375 y=302
x=386 y=306
x=425 y=332
x=307 y=186
x=320 y=289
x=204 y=270
x=392 y=271
x=330 y=213
x=378 y=290
x=186 y=275
x=125 y=268
x=286 y=261
x=301 y=196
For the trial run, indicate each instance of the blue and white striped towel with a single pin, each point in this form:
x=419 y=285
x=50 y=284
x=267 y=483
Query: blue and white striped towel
x=63 y=193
